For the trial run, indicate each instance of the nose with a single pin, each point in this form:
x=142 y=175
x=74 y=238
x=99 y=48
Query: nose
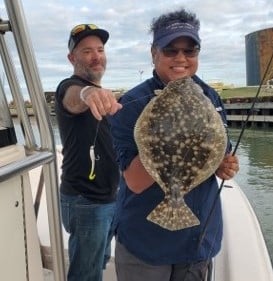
x=96 y=53
x=181 y=51
x=180 y=54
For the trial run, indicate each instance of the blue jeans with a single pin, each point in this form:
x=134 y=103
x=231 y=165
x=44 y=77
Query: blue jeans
x=89 y=245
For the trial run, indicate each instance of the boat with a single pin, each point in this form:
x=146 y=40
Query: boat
x=33 y=243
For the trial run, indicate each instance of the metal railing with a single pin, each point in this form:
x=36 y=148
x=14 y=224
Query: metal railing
x=45 y=154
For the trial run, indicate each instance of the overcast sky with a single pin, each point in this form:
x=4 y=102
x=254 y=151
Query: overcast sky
x=224 y=25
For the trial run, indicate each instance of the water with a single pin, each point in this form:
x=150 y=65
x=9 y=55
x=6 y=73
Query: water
x=255 y=177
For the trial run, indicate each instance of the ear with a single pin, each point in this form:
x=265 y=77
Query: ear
x=70 y=57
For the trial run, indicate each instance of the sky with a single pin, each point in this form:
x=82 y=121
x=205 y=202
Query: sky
x=224 y=25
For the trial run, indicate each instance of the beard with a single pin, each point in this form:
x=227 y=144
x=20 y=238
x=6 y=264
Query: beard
x=89 y=72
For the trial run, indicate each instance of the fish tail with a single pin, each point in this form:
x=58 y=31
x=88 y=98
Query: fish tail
x=173 y=217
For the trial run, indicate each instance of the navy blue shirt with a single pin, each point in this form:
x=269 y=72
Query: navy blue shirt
x=144 y=239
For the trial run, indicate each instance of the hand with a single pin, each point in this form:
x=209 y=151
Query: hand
x=101 y=102
x=228 y=168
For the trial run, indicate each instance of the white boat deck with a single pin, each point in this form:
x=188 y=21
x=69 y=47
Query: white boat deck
x=108 y=274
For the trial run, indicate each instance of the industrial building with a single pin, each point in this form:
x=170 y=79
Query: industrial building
x=259 y=48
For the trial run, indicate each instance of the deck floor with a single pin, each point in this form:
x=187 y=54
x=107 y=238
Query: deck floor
x=108 y=275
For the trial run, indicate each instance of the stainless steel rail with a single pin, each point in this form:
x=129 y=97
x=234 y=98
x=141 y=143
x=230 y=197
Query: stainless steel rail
x=45 y=155
x=26 y=164
x=15 y=90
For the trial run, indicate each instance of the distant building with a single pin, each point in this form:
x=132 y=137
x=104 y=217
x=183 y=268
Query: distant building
x=259 y=47
x=219 y=86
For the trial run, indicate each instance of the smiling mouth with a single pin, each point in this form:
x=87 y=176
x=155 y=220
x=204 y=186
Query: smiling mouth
x=179 y=69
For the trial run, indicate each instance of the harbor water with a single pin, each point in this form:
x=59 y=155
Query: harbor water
x=255 y=177
x=255 y=152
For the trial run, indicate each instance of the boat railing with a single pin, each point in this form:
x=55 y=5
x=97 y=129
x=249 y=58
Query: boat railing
x=44 y=154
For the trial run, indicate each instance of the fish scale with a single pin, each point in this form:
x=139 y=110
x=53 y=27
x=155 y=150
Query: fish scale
x=181 y=141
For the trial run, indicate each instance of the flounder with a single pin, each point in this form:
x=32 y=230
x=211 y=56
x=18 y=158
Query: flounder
x=181 y=141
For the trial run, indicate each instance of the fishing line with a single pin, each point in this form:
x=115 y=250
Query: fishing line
x=96 y=134
x=203 y=233
x=135 y=100
x=98 y=124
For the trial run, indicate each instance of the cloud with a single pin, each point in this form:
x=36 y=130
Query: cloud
x=224 y=25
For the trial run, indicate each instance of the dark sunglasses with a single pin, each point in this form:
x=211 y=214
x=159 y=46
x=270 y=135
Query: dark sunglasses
x=172 y=52
x=81 y=27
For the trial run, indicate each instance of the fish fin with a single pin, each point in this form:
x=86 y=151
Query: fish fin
x=173 y=218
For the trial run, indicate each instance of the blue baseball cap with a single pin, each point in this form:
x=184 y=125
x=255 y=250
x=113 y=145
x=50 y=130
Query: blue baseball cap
x=163 y=36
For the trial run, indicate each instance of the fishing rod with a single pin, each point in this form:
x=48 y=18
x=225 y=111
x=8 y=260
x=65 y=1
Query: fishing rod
x=250 y=112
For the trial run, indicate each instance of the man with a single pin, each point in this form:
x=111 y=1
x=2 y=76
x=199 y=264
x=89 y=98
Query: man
x=144 y=250
x=90 y=174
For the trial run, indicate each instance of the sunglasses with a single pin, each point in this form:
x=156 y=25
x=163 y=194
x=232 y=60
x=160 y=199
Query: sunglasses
x=172 y=52
x=81 y=27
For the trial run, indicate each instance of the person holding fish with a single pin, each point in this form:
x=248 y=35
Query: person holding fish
x=160 y=248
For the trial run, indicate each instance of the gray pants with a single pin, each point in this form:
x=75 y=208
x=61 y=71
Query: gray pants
x=130 y=268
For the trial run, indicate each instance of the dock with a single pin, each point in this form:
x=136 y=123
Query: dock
x=239 y=102
x=237 y=110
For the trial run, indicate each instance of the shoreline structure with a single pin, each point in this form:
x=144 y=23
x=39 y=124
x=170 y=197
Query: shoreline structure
x=237 y=103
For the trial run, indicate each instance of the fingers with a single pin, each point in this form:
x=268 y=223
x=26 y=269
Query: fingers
x=102 y=102
x=228 y=168
x=225 y=174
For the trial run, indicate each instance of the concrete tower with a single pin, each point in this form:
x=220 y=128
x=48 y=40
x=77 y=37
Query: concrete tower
x=259 y=49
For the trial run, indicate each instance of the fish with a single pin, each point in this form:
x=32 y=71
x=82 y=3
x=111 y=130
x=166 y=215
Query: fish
x=181 y=141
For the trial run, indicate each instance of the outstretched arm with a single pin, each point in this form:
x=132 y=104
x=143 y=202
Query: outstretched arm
x=100 y=101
